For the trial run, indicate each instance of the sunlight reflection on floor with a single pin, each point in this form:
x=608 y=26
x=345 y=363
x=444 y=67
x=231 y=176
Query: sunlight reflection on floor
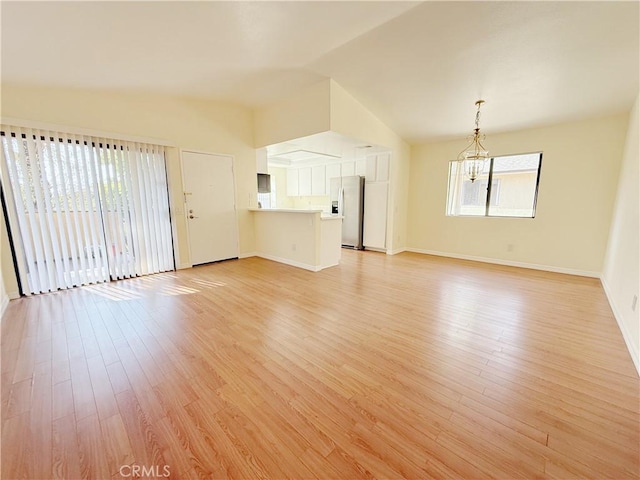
x=160 y=284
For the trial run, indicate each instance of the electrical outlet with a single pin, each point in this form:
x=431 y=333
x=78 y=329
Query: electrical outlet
x=634 y=303
x=510 y=247
x=294 y=247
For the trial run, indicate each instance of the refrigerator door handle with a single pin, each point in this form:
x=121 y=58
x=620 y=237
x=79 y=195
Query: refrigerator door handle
x=341 y=201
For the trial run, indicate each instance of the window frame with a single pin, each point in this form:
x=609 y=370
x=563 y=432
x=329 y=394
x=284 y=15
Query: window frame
x=490 y=186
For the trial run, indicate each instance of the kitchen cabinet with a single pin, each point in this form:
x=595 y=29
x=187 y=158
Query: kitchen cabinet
x=348 y=169
x=378 y=168
x=318 y=180
x=304 y=181
x=333 y=170
x=382 y=167
x=261 y=160
x=293 y=189
x=370 y=174
x=375 y=215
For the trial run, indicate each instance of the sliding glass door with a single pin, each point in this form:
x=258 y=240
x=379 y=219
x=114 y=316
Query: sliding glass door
x=84 y=210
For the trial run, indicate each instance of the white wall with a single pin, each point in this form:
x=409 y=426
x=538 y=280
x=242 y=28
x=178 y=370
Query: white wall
x=621 y=272
x=186 y=123
x=304 y=113
x=580 y=167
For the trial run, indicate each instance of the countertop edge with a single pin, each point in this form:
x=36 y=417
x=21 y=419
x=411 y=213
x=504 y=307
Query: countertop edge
x=283 y=210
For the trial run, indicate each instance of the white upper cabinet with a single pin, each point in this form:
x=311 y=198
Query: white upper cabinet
x=370 y=175
x=378 y=168
x=382 y=167
x=293 y=189
x=261 y=160
x=304 y=181
x=348 y=169
x=333 y=171
x=318 y=180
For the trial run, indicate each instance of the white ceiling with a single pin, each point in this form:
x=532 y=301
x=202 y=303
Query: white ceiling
x=418 y=66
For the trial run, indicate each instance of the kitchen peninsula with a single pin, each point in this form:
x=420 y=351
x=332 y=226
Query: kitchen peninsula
x=308 y=239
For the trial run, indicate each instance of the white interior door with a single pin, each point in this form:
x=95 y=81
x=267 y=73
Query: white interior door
x=210 y=207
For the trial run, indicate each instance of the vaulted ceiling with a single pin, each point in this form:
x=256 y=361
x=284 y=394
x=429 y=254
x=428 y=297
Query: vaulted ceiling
x=418 y=66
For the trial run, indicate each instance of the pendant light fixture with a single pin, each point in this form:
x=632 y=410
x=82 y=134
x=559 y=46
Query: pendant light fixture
x=474 y=155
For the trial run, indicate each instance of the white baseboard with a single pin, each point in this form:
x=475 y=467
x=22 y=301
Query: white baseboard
x=396 y=251
x=182 y=266
x=509 y=263
x=328 y=266
x=635 y=355
x=287 y=261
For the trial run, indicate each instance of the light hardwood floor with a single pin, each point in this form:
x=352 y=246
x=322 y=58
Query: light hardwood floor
x=384 y=367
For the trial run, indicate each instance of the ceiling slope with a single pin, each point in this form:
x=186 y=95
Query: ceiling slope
x=419 y=67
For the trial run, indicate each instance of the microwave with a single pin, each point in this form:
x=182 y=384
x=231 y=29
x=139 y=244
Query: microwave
x=264 y=183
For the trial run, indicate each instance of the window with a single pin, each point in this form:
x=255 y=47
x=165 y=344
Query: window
x=507 y=187
x=82 y=209
x=474 y=194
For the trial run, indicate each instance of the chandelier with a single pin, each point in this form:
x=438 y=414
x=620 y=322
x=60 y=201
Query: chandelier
x=474 y=155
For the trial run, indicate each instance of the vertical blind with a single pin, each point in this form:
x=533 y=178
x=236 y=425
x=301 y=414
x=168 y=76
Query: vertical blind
x=87 y=209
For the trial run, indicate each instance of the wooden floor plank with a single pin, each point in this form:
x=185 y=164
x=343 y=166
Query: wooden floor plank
x=65 y=450
x=17 y=446
x=116 y=443
x=404 y=366
x=94 y=461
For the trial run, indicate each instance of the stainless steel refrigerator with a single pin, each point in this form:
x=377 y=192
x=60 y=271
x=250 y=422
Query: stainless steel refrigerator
x=347 y=199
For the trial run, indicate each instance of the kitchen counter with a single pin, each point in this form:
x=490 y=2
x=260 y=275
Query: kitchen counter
x=309 y=239
x=284 y=210
x=323 y=215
